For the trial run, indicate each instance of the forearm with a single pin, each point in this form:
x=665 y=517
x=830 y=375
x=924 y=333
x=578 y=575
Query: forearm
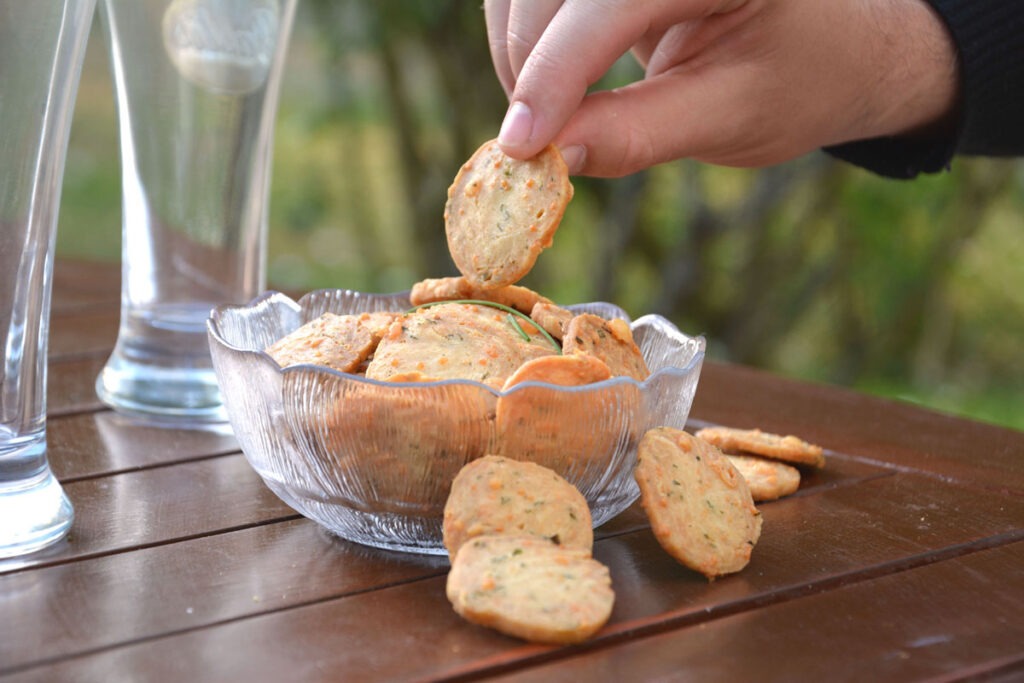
x=987 y=37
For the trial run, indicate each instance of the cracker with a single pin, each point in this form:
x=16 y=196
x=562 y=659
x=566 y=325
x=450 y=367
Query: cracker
x=341 y=342
x=455 y=341
x=699 y=506
x=552 y=318
x=566 y=371
x=790 y=448
x=395 y=450
x=451 y=288
x=495 y=495
x=767 y=479
x=530 y=588
x=567 y=431
x=610 y=340
x=502 y=212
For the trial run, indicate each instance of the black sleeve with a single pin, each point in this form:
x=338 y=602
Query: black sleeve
x=989 y=38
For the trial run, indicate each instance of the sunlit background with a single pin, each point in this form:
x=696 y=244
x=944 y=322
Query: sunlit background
x=813 y=269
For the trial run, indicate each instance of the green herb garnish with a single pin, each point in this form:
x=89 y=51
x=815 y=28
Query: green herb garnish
x=512 y=315
x=519 y=328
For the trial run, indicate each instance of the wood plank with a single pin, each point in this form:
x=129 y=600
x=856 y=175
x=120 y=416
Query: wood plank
x=837 y=537
x=102 y=443
x=123 y=583
x=71 y=385
x=160 y=505
x=944 y=621
x=77 y=333
x=89 y=605
x=80 y=284
x=140 y=594
x=859 y=425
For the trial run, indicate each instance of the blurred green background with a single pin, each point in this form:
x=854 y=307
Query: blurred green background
x=813 y=269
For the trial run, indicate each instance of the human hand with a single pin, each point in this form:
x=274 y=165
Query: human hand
x=735 y=82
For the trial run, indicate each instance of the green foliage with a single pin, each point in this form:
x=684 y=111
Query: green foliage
x=814 y=268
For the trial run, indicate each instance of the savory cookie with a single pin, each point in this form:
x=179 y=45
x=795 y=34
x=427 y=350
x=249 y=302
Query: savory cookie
x=451 y=288
x=699 y=506
x=396 y=450
x=502 y=212
x=455 y=341
x=567 y=431
x=767 y=479
x=553 y=318
x=530 y=588
x=610 y=340
x=566 y=371
x=495 y=495
x=787 y=448
x=341 y=342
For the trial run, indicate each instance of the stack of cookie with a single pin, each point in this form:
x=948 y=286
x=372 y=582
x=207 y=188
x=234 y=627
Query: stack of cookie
x=520 y=539
x=769 y=462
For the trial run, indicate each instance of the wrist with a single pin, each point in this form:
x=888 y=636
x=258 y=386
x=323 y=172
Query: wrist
x=920 y=82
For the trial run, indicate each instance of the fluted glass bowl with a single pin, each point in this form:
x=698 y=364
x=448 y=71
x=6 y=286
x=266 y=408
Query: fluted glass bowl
x=373 y=461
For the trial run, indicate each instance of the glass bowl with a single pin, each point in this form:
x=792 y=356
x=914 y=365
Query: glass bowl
x=373 y=461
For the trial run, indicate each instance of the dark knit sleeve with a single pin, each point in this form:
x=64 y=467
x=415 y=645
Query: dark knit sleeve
x=989 y=38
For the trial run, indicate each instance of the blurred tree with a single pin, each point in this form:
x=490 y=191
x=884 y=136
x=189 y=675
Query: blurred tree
x=811 y=268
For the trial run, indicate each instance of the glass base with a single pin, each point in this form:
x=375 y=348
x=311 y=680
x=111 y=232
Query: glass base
x=35 y=513
x=161 y=370
x=158 y=394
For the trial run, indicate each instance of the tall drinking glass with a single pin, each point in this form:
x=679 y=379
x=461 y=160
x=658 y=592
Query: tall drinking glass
x=41 y=50
x=196 y=84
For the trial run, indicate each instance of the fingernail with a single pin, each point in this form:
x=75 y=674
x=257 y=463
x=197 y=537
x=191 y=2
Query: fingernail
x=517 y=126
x=575 y=156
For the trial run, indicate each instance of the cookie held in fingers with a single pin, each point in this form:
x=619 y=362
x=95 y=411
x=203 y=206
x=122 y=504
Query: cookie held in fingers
x=496 y=495
x=699 y=506
x=502 y=212
x=530 y=588
x=789 y=448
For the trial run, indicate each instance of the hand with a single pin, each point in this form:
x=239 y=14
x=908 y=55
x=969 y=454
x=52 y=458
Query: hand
x=733 y=82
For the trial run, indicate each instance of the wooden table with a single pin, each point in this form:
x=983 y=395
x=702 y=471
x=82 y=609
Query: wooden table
x=902 y=560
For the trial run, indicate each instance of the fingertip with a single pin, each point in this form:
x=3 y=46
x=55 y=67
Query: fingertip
x=575 y=157
x=516 y=128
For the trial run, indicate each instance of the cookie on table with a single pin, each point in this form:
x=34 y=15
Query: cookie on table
x=496 y=495
x=433 y=290
x=341 y=342
x=700 y=508
x=552 y=318
x=767 y=479
x=455 y=341
x=789 y=448
x=530 y=588
x=610 y=340
x=502 y=212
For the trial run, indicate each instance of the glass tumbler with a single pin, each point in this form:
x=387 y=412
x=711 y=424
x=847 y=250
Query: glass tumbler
x=196 y=84
x=41 y=50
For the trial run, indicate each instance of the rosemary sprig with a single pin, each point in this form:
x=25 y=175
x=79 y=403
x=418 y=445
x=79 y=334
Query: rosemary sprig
x=519 y=328
x=511 y=317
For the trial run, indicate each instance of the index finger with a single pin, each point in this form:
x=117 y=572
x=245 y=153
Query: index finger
x=579 y=45
x=496 y=13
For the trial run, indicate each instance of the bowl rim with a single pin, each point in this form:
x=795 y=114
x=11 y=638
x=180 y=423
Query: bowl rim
x=298 y=306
